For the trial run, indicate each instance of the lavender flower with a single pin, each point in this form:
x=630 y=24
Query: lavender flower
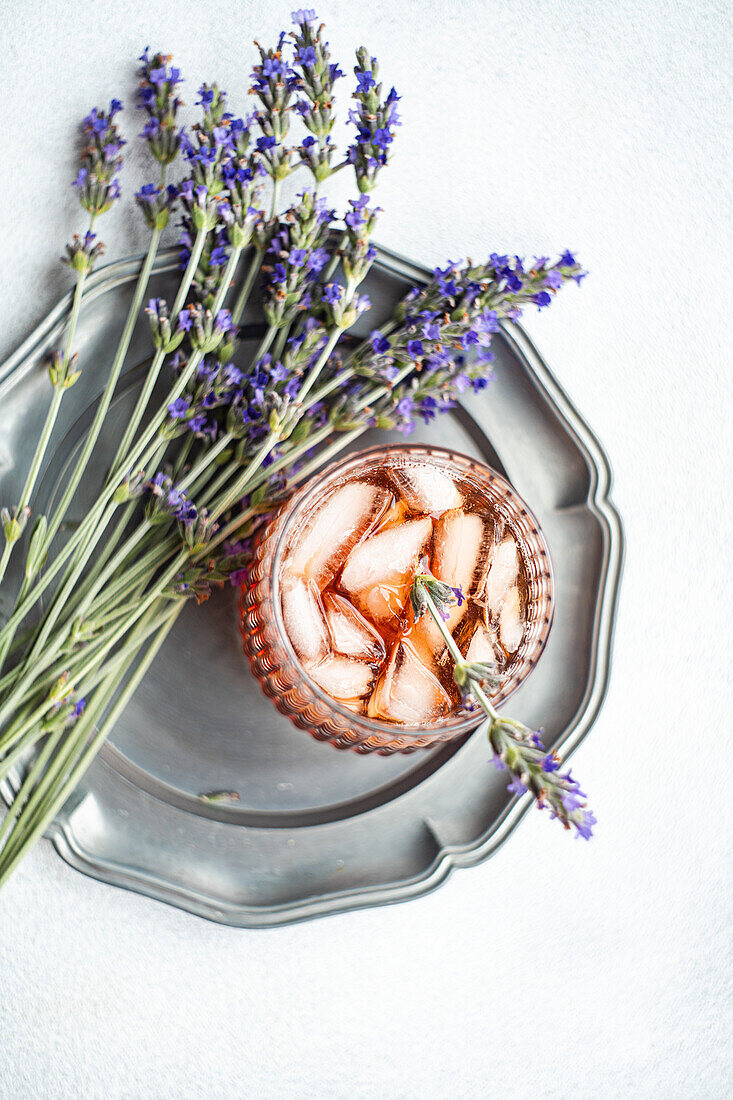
x=359 y=253
x=208 y=332
x=512 y=743
x=316 y=78
x=167 y=500
x=155 y=203
x=14 y=521
x=201 y=204
x=274 y=82
x=294 y=258
x=96 y=181
x=177 y=409
x=222 y=194
x=158 y=97
x=375 y=122
x=83 y=252
x=62 y=370
x=165 y=337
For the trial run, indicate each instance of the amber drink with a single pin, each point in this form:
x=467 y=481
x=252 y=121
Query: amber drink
x=328 y=623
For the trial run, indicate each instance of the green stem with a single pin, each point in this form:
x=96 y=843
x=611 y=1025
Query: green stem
x=76 y=543
x=109 y=389
x=28 y=670
x=476 y=690
x=447 y=636
x=85 y=672
x=334 y=261
x=183 y=454
x=29 y=826
x=280 y=342
x=141 y=532
x=51 y=416
x=208 y=458
x=483 y=700
x=236 y=490
x=320 y=363
x=265 y=343
x=27 y=786
x=348 y=372
x=244 y=293
x=97 y=520
x=159 y=357
x=103 y=556
x=275 y=197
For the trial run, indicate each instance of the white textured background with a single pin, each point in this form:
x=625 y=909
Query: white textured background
x=559 y=968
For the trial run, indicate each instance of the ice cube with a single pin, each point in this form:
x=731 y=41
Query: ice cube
x=427 y=641
x=304 y=619
x=343 y=678
x=381 y=569
x=425 y=488
x=511 y=621
x=407 y=691
x=484 y=647
x=502 y=574
x=335 y=529
x=461 y=550
x=394 y=516
x=357 y=705
x=351 y=635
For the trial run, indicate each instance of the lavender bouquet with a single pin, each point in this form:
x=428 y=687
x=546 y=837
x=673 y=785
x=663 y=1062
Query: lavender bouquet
x=194 y=475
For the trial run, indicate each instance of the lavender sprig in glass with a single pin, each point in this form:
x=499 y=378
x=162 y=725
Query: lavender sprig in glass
x=517 y=749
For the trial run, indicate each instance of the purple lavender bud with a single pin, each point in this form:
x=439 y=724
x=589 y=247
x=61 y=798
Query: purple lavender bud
x=179 y=408
x=380 y=343
x=306 y=55
x=333 y=292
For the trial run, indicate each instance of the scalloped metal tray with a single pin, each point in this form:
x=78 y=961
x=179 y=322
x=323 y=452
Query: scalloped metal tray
x=315 y=830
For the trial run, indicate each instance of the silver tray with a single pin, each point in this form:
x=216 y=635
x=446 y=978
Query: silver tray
x=316 y=830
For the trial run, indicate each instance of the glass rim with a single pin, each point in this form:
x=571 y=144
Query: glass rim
x=290 y=513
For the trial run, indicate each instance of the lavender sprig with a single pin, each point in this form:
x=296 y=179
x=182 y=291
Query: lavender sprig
x=294 y=260
x=83 y=252
x=156 y=204
x=96 y=182
x=375 y=120
x=444 y=331
x=274 y=82
x=517 y=749
x=421 y=369
x=98 y=189
x=222 y=193
x=317 y=76
x=252 y=430
x=158 y=97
